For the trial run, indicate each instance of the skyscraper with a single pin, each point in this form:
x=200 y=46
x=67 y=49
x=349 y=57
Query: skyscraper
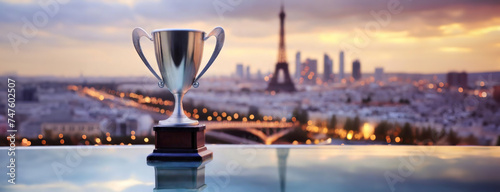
x=341 y=65
x=248 y=75
x=379 y=74
x=496 y=93
x=239 y=71
x=328 y=68
x=310 y=70
x=457 y=79
x=282 y=65
x=356 y=70
x=298 y=64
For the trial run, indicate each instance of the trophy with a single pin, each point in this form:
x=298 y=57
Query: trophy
x=178 y=53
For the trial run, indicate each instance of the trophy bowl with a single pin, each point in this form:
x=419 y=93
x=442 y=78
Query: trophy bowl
x=178 y=54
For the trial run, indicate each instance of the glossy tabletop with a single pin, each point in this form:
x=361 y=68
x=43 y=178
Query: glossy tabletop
x=259 y=168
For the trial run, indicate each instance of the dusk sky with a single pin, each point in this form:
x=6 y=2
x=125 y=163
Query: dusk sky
x=93 y=38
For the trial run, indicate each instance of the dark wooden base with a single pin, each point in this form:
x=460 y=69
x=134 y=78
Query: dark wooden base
x=180 y=144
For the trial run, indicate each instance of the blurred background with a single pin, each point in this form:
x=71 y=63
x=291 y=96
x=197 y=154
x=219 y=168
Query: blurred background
x=348 y=72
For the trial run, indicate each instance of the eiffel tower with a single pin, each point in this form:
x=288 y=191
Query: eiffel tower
x=282 y=65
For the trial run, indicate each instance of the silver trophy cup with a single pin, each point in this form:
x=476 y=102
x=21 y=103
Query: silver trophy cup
x=178 y=53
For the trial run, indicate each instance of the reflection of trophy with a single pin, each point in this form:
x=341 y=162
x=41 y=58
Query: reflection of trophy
x=179 y=176
x=178 y=53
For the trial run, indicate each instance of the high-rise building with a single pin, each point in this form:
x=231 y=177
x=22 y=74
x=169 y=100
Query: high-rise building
x=287 y=84
x=496 y=93
x=328 y=68
x=455 y=79
x=341 y=65
x=239 y=71
x=298 y=65
x=356 y=70
x=310 y=70
x=379 y=74
x=248 y=75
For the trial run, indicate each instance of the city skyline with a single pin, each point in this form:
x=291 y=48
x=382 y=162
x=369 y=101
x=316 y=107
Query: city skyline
x=423 y=37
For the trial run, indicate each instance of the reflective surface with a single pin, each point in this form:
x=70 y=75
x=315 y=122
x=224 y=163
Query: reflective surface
x=261 y=168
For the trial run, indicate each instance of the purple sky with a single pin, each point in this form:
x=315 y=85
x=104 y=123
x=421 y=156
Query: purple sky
x=93 y=38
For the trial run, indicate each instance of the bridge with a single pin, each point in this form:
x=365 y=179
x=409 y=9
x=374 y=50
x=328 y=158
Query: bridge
x=266 y=131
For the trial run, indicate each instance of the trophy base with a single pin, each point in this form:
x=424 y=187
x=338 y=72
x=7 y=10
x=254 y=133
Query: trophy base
x=182 y=145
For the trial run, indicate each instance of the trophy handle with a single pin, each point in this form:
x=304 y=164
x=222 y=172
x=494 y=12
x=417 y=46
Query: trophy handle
x=136 y=37
x=218 y=32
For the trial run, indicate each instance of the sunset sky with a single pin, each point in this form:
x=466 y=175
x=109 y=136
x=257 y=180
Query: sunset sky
x=93 y=38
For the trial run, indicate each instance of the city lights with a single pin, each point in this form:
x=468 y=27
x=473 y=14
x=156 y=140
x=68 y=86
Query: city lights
x=367 y=130
x=484 y=94
x=397 y=139
x=349 y=135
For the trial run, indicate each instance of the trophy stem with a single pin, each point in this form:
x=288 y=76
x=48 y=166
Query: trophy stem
x=178 y=117
x=178 y=109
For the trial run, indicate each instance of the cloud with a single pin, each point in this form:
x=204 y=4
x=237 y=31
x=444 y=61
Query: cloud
x=455 y=49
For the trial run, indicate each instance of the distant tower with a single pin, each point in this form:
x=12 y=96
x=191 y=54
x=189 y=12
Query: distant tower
x=298 y=64
x=341 y=65
x=356 y=70
x=310 y=71
x=455 y=79
x=248 y=75
x=239 y=71
x=496 y=93
x=379 y=74
x=282 y=65
x=328 y=68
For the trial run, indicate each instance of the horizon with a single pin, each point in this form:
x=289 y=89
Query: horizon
x=231 y=74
